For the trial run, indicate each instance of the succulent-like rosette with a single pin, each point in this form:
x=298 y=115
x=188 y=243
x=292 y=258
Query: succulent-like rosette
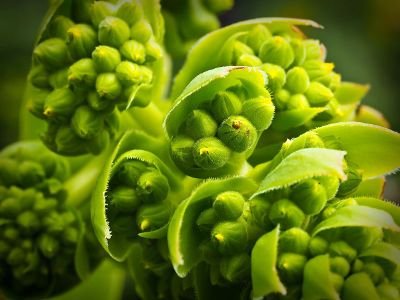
x=39 y=233
x=135 y=194
x=187 y=21
x=304 y=88
x=214 y=125
x=92 y=59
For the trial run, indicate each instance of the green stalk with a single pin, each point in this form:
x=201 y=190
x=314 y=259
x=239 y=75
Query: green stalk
x=151 y=116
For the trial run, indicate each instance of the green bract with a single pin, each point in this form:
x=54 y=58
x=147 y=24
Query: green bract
x=215 y=123
x=94 y=55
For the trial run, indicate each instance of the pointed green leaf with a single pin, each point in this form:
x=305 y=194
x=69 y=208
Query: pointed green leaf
x=392 y=208
x=370 y=188
x=383 y=250
x=350 y=93
x=317 y=283
x=373 y=149
x=264 y=275
x=303 y=164
x=357 y=216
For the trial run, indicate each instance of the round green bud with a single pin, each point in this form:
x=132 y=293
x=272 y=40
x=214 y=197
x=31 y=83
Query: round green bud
x=68 y=142
x=59 y=26
x=30 y=173
x=229 y=237
x=124 y=225
x=237 y=133
x=153 y=216
x=297 y=81
x=200 y=124
x=257 y=36
x=16 y=257
x=297 y=101
x=99 y=142
x=248 y=60
x=153 y=51
x=318 y=246
x=357 y=266
x=130 y=73
x=317 y=69
x=98 y=103
x=235 y=268
x=225 y=104
x=113 y=32
x=70 y=236
x=82 y=74
x=359 y=287
x=210 y=153
x=28 y=221
x=294 y=240
x=350 y=185
x=43 y=206
x=8 y=171
x=152 y=186
x=276 y=76
x=259 y=111
x=259 y=209
x=48 y=245
x=129 y=172
x=182 y=151
x=52 y=53
x=314 y=141
x=60 y=104
x=239 y=49
x=99 y=10
x=337 y=281
x=278 y=51
x=106 y=58
x=36 y=102
x=341 y=248
x=286 y=213
x=131 y=12
x=10 y=233
x=54 y=223
x=229 y=205
x=141 y=31
x=39 y=77
x=313 y=49
x=318 y=94
x=290 y=267
x=81 y=40
x=59 y=79
x=207 y=219
x=10 y=207
x=361 y=238
x=281 y=99
x=310 y=196
x=108 y=86
x=299 y=51
x=374 y=271
x=339 y=265
x=134 y=51
x=124 y=199
x=86 y=122
x=388 y=291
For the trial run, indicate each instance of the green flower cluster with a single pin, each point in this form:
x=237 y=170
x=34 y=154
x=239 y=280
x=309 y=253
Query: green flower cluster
x=87 y=64
x=38 y=234
x=137 y=194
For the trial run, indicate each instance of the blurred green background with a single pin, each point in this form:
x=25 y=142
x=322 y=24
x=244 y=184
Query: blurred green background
x=362 y=38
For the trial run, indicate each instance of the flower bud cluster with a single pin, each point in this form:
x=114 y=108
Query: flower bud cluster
x=229 y=123
x=83 y=71
x=137 y=199
x=226 y=236
x=38 y=234
x=298 y=76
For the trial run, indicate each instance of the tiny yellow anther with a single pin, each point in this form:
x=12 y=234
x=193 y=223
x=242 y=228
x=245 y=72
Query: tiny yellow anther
x=144 y=224
x=219 y=237
x=203 y=150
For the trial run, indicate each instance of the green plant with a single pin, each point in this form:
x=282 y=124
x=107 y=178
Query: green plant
x=259 y=178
